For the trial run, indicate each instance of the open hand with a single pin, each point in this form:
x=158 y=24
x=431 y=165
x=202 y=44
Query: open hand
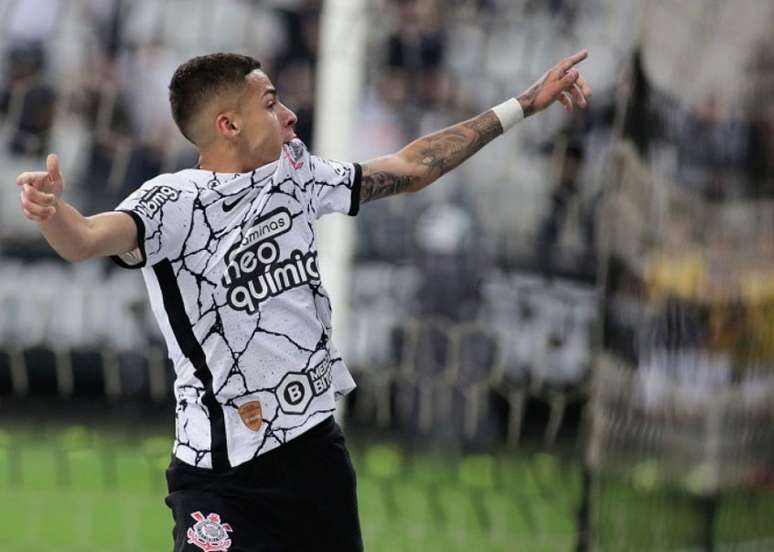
x=561 y=83
x=41 y=190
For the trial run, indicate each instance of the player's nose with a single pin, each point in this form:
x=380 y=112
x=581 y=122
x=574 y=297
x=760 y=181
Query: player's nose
x=289 y=116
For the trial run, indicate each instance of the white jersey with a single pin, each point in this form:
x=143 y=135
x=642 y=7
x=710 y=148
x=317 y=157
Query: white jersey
x=230 y=263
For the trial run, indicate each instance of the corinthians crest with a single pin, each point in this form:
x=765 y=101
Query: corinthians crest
x=209 y=534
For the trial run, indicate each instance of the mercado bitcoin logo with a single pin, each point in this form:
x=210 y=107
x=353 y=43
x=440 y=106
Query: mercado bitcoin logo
x=297 y=389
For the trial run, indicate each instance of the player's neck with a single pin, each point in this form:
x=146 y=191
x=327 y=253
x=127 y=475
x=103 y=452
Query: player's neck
x=222 y=160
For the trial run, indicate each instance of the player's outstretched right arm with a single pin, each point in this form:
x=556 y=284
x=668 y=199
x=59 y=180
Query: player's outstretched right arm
x=428 y=158
x=69 y=233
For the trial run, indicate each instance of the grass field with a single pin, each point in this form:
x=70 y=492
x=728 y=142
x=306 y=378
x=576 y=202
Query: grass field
x=75 y=489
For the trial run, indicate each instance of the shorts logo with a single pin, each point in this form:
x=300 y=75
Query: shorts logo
x=209 y=534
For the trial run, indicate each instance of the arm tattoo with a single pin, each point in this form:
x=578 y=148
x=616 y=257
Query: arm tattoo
x=527 y=99
x=432 y=156
x=380 y=184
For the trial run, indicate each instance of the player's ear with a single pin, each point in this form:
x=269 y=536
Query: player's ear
x=227 y=124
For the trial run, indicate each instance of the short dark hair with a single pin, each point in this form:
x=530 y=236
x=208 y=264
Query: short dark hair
x=201 y=78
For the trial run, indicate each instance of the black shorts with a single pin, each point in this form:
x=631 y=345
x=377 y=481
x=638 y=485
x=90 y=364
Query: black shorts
x=298 y=497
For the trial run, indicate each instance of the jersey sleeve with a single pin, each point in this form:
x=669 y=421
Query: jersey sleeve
x=334 y=185
x=162 y=213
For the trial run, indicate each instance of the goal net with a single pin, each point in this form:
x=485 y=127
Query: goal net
x=681 y=410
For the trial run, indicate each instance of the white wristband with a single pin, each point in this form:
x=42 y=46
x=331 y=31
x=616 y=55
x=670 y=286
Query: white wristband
x=509 y=113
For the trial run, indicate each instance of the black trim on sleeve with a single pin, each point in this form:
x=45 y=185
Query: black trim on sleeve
x=140 y=241
x=192 y=349
x=354 y=205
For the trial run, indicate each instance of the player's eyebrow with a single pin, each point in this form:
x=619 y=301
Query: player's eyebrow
x=272 y=91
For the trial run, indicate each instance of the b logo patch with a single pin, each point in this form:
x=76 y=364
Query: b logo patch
x=209 y=534
x=294 y=393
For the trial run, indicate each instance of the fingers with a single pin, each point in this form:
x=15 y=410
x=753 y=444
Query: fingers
x=52 y=166
x=566 y=82
x=40 y=179
x=566 y=100
x=34 y=218
x=584 y=86
x=36 y=196
x=575 y=91
x=577 y=95
x=37 y=213
x=574 y=59
x=36 y=205
x=36 y=178
x=36 y=202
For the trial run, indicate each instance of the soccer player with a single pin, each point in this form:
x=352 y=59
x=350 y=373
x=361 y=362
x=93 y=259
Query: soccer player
x=228 y=254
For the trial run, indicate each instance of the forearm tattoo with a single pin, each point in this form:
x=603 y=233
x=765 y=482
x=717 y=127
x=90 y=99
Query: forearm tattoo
x=431 y=157
x=527 y=99
x=380 y=184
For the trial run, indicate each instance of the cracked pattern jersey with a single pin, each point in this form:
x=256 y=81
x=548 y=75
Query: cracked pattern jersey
x=230 y=263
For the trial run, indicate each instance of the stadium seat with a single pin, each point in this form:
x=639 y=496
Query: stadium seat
x=88 y=373
x=477 y=363
x=134 y=375
x=41 y=372
x=428 y=393
x=381 y=379
x=161 y=375
x=514 y=377
x=6 y=377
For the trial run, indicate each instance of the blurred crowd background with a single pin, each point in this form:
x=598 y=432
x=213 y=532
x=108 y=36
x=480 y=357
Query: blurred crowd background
x=486 y=247
x=607 y=270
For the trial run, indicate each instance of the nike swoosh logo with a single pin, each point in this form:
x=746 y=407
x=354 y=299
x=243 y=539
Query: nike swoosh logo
x=229 y=206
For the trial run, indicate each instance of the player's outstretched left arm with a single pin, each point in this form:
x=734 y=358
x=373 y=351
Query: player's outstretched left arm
x=428 y=158
x=73 y=236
